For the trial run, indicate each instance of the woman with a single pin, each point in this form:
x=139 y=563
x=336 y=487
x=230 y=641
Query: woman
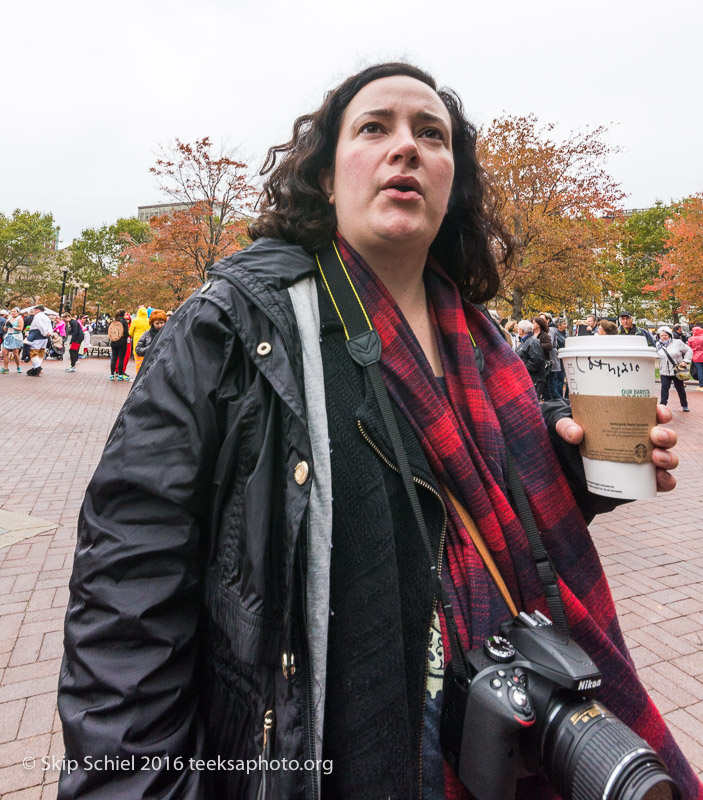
x=118 y=333
x=84 y=322
x=606 y=328
x=672 y=352
x=254 y=635
x=12 y=340
x=74 y=329
x=695 y=342
x=512 y=329
x=157 y=320
x=138 y=327
x=540 y=328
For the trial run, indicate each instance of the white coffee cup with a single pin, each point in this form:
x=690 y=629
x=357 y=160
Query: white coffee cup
x=622 y=367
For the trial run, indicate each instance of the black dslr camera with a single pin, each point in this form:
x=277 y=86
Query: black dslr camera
x=526 y=711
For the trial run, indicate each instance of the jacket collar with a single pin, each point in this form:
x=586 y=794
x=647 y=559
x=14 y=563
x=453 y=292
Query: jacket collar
x=272 y=262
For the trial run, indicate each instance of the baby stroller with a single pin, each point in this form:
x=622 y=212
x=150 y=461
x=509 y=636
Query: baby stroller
x=56 y=347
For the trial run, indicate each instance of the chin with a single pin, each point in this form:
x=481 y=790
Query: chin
x=407 y=232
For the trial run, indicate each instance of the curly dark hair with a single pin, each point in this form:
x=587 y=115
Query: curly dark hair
x=471 y=243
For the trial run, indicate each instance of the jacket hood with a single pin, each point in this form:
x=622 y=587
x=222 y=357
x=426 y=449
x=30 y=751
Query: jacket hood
x=276 y=263
x=141 y=312
x=697 y=331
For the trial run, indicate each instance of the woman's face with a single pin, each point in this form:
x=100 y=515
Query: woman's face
x=158 y=324
x=664 y=336
x=536 y=328
x=15 y=313
x=393 y=168
x=600 y=331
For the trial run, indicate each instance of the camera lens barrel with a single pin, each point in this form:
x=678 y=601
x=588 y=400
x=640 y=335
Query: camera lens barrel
x=589 y=753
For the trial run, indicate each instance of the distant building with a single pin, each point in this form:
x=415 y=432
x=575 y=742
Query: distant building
x=145 y=213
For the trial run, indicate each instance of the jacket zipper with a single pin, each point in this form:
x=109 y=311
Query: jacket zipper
x=309 y=710
x=269 y=719
x=430 y=488
x=288 y=658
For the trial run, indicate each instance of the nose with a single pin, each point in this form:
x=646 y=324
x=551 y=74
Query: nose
x=403 y=146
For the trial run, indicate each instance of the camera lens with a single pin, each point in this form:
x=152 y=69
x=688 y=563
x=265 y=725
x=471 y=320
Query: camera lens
x=588 y=753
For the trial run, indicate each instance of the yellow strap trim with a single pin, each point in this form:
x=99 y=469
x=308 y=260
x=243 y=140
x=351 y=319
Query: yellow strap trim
x=356 y=294
x=334 y=302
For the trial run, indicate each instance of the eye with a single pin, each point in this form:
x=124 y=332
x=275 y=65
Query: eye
x=370 y=127
x=433 y=133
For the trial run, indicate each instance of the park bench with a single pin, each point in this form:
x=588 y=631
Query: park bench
x=99 y=345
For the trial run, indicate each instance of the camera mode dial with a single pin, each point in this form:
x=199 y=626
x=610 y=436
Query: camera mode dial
x=499 y=649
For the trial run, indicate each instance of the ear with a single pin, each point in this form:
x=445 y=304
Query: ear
x=326 y=181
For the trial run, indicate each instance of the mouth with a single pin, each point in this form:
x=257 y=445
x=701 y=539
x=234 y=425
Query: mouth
x=402 y=187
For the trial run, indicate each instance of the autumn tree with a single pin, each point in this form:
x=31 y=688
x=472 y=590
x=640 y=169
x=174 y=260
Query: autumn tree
x=555 y=194
x=26 y=261
x=98 y=254
x=680 y=278
x=641 y=239
x=214 y=194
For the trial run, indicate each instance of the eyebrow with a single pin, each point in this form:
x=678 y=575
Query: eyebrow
x=386 y=113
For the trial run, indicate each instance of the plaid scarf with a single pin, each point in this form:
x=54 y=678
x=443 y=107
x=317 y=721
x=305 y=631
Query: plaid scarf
x=463 y=436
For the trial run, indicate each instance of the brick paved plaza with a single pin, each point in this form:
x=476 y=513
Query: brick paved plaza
x=54 y=430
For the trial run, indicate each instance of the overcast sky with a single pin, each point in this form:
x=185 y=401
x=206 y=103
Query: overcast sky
x=90 y=90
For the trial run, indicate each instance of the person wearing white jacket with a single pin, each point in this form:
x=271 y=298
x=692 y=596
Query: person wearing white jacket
x=677 y=351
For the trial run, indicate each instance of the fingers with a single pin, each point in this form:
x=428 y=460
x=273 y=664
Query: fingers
x=569 y=430
x=665 y=481
x=663 y=437
x=664 y=414
x=664 y=459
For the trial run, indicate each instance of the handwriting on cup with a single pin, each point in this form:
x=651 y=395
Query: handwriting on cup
x=618 y=369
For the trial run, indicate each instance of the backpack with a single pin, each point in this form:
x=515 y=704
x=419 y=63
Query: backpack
x=115 y=331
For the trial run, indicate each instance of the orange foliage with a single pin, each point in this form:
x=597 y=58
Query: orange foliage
x=554 y=194
x=681 y=267
x=215 y=194
x=174 y=262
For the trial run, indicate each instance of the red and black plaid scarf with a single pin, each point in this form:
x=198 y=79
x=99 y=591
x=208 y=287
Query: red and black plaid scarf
x=463 y=436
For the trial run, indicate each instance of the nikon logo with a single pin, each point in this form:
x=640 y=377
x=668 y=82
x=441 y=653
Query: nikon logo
x=589 y=684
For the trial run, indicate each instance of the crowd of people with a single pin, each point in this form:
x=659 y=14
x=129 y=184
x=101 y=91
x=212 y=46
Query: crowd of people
x=33 y=335
x=538 y=340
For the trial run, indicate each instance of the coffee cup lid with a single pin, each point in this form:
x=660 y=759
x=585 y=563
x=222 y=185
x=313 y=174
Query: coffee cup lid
x=607 y=347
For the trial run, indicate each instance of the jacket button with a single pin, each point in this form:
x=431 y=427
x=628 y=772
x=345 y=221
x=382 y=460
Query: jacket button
x=263 y=349
x=206 y=287
x=301 y=473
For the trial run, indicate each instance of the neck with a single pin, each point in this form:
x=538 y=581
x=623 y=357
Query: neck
x=400 y=270
x=401 y=273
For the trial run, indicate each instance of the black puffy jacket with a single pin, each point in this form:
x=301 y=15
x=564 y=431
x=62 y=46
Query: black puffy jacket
x=216 y=420
x=531 y=352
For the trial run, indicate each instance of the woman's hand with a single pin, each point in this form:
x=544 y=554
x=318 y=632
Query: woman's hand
x=663 y=439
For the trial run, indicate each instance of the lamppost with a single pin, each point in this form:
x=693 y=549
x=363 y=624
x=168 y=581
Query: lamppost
x=86 y=286
x=63 y=292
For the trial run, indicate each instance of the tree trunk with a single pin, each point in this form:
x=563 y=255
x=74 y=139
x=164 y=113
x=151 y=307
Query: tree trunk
x=518 y=297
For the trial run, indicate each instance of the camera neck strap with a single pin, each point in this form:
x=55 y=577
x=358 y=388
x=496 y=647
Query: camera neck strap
x=364 y=347
x=673 y=363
